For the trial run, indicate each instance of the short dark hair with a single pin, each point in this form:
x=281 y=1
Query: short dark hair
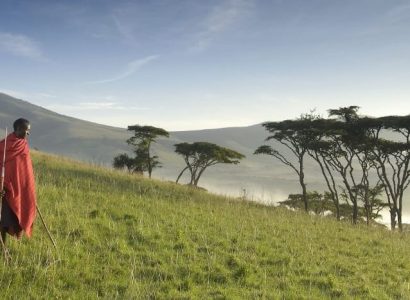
x=19 y=123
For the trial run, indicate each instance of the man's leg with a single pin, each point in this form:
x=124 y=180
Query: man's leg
x=4 y=249
x=3 y=235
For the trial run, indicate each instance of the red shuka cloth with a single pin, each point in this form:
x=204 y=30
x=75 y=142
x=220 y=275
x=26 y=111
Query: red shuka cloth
x=19 y=181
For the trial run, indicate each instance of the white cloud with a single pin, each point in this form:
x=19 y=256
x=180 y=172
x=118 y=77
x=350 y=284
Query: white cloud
x=131 y=68
x=220 y=19
x=20 y=45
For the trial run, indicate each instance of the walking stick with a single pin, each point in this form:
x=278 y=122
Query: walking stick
x=45 y=226
x=5 y=252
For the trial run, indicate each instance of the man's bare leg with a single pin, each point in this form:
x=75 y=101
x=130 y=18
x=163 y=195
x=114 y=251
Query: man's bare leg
x=3 y=236
x=3 y=245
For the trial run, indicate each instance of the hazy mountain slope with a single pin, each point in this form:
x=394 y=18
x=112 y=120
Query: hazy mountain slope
x=261 y=176
x=55 y=133
x=52 y=132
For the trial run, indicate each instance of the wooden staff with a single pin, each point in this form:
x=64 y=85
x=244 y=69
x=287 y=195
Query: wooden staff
x=45 y=226
x=5 y=252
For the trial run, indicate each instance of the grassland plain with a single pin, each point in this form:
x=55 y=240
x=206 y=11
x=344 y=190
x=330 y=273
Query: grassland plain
x=126 y=237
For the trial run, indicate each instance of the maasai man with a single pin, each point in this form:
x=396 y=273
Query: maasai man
x=18 y=196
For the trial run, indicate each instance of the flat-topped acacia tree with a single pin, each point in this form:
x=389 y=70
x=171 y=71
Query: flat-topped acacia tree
x=142 y=140
x=199 y=156
x=391 y=158
x=295 y=136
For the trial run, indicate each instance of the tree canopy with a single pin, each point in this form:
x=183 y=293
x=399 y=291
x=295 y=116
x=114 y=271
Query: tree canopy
x=356 y=156
x=142 y=140
x=198 y=156
x=296 y=136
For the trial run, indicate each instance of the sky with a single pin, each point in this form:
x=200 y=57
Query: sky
x=186 y=64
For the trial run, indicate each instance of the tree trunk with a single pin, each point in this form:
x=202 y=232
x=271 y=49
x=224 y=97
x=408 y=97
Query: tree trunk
x=400 y=210
x=193 y=176
x=199 y=175
x=180 y=174
x=324 y=167
x=399 y=222
x=302 y=183
x=352 y=197
x=368 y=209
x=355 y=212
x=393 y=219
x=337 y=210
x=149 y=160
x=304 y=196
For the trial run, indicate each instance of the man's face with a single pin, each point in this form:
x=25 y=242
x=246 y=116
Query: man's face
x=23 y=131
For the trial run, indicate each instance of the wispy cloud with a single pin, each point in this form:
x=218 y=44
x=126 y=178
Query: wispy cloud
x=14 y=93
x=20 y=45
x=27 y=95
x=93 y=106
x=221 y=17
x=131 y=68
x=125 y=31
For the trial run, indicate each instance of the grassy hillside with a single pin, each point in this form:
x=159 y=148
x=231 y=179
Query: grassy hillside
x=124 y=237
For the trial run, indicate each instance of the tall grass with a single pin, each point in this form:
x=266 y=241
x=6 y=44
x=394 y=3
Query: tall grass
x=125 y=237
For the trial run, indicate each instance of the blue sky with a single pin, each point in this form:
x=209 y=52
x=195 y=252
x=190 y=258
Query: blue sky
x=185 y=64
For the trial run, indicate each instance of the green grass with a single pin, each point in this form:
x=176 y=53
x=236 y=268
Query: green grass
x=125 y=237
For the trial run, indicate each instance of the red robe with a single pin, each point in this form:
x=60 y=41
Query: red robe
x=19 y=181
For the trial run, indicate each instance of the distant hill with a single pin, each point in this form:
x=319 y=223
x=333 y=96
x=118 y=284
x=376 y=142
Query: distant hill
x=260 y=176
x=59 y=134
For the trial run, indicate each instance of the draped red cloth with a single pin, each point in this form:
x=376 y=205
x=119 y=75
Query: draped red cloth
x=19 y=181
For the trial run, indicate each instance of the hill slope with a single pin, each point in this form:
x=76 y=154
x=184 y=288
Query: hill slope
x=261 y=176
x=59 y=134
x=125 y=237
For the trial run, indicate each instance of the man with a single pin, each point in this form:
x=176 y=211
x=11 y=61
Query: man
x=18 y=208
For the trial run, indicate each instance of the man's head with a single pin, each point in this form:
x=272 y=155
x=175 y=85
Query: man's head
x=21 y=128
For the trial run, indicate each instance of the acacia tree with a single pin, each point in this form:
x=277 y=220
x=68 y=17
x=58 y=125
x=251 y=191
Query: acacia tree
x=318 y=204
x=318 y=147
x=142 y=140
x=199 y=156
x=349 y=147
x=296 y=136
x=345 y=147
x=346 y=114
x=370 y=198
x=392 y=160
x=319 y=150
x=122 y=161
